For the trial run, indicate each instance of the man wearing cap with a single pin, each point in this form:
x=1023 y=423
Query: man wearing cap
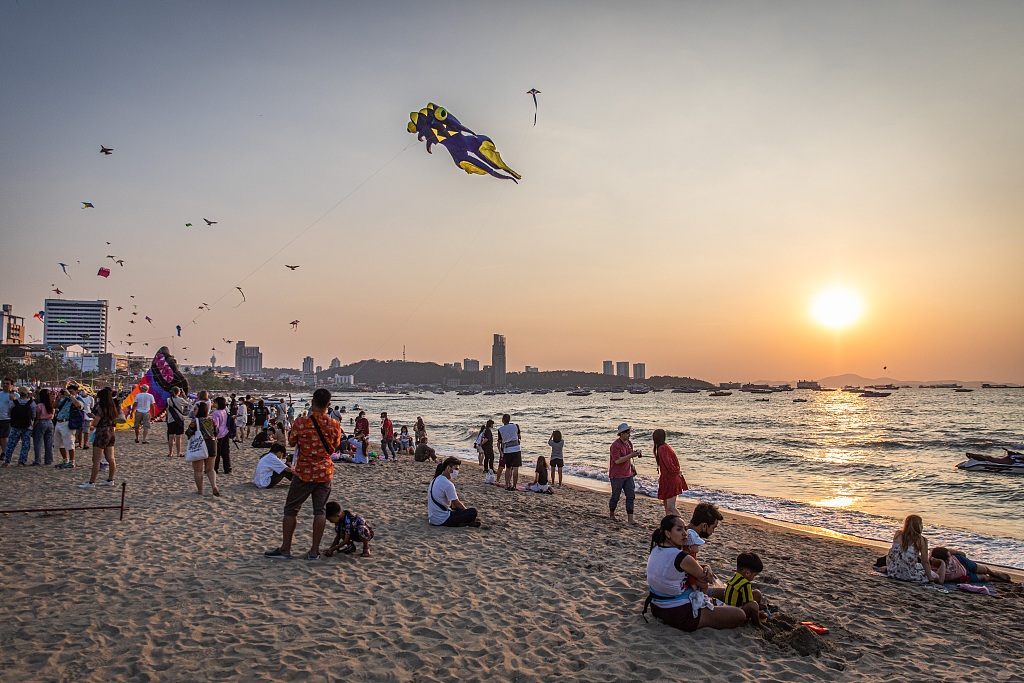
x=621 y=472
x=140 y=408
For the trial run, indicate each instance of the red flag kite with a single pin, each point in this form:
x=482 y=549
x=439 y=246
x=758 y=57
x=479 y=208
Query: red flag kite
x=104 y=272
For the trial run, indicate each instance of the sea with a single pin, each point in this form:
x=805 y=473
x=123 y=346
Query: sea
x=839 y=464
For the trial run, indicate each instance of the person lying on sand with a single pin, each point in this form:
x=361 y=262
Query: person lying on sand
x=1011 y=458
x=953 y=565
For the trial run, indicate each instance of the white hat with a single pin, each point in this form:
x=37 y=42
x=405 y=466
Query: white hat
x=693 y=538
x=623 y=428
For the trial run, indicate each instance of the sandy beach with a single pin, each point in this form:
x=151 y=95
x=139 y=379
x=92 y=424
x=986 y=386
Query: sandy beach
x=547 y=589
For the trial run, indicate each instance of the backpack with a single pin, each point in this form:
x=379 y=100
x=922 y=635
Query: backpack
x=21 y=415
x=76 y=418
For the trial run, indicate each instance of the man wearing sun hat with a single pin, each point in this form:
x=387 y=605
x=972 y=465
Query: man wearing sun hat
x=621 y=472
x=140 y=408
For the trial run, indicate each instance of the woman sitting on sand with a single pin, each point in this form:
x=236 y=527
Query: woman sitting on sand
x=669 y=569
x=909 y=553
x=953 y=565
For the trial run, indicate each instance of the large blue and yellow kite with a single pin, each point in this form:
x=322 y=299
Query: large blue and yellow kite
x=471 y=152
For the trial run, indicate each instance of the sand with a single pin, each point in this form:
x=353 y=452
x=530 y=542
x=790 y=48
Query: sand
x=548 y=589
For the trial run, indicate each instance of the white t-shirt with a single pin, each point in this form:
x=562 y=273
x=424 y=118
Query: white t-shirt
x=143 y=402
x=268 y=465
x=87 y=402
x=510 y=438
x=360 y=452
x=443 y=490
x=240 y=415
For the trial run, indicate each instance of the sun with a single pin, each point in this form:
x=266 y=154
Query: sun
x=837 y=307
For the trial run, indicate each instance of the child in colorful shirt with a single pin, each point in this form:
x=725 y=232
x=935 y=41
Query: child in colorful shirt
x=738 y=592
x=349 y=528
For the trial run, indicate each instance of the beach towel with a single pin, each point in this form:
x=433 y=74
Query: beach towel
x=981 y=587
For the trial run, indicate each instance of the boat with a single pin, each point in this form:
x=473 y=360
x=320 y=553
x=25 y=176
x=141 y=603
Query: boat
x=962 y=390
x=874 y=394
x=764 y=400
x=972 y=465
x=758 y=391
x=720 y=393
x=807 y=384
x=799 y=400
x=685 y=390
x=616 y=398
x=540 y=391
x=579 y=392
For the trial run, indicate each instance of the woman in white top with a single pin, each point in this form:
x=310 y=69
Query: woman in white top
x=908 y=557
x=669 y=569
x=443 y=505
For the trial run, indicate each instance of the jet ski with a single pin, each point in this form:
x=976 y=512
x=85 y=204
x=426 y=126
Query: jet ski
x=1015 y=467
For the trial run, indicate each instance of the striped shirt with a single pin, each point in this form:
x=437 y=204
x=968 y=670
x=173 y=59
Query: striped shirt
x=738 y=591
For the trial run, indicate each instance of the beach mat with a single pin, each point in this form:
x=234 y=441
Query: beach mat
x=948 y=587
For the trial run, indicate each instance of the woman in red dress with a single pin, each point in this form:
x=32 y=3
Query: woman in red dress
x=670 y=480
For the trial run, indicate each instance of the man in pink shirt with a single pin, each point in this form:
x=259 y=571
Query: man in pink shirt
x=621 y=472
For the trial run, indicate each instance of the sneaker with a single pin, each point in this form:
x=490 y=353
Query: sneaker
x=276 y=554
x=312 y=557
x=86 y=485
x=108 y=482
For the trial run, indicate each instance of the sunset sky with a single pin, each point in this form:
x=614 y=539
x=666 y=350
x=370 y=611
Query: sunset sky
x=698 y=174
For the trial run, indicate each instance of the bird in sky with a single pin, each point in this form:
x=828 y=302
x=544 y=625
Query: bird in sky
x=209 y=222
x=294 y=324
x=106 y=150
x=290 y=267
x=64 y=267
x=88 y=205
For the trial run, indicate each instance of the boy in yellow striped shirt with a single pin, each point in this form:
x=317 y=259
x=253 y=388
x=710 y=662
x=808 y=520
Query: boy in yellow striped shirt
x=738 y=592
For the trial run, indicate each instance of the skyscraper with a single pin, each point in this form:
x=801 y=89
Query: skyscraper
x=470 y=365
x=335 y=363
x=639 y=371
x=307 y=365
x=248 y=359
x=609 y=367
x=622 y=368
x=67 y=322
x=498 y=360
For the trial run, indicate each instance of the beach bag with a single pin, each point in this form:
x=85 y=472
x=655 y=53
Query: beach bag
x=490 y=477
x=196 y=447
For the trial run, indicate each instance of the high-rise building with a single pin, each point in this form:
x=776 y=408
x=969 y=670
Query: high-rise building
x=457 y=365
x=498 y=360
x=639 y=371
x=307 y=365
x=622 y=368
x=335 y=363
x=470 y=365
x=67 y=322
x=248 y=359
x=12 y=327
x=609 y=367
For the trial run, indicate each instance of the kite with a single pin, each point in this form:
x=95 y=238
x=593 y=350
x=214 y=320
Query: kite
x=209 y=222
x=290 y=267
x=64 y=267
x=106 y=150
x=163 y=376
x=131 y=322
x=134 y=312
x=104 y=272
x=178 y=328
x=129 y=335
x=39 y=316
x=120 y=262
x=188 y=225
x=120 y=308
x=128 y=343
x=88 y=205
x=57 y=291
x=61 y=321
x=243 y=296
x=111 y=256
x=227 y=341
x=294 y=324
x=471 y=152
x=150 y=321
x=534 y=92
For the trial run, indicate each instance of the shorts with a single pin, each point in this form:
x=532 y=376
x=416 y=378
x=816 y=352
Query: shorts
x=5 y=429
x=142 y=419
x=86 y=428
x=175 y=428
x=514 y=459
x=970 y=565
x=678 y=617
x=300 y=490
x=63 y=437
x=556 y=461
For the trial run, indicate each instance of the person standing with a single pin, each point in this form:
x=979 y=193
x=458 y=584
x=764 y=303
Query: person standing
x=220 y=418
x=106 y=414
x=557 y=460
x=7 y=399
x=387 y=437
x=21 y=415
x=249 y=404
x=260 y=415
x=241 y=421
x=82 y=434
x=141 y=408
x=177 y=409
x=621 y=472
x=510 y=437
x=487 y=446
x=670 y=480
x=420 y=430
x=362 y=424
x=203 y=423
x=68 y=415
x=42 y=433
x=317 y=436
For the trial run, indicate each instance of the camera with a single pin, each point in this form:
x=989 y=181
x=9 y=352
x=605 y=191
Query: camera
x=638 y=454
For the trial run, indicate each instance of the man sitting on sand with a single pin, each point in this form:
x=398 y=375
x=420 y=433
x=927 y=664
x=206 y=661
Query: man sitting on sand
x=272 y=469
x=1011 y=458
x=425 y=452
x=443 y=505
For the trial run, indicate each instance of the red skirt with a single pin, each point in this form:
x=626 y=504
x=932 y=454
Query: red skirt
x=670 y=485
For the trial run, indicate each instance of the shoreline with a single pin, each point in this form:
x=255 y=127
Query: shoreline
x=180 y=589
